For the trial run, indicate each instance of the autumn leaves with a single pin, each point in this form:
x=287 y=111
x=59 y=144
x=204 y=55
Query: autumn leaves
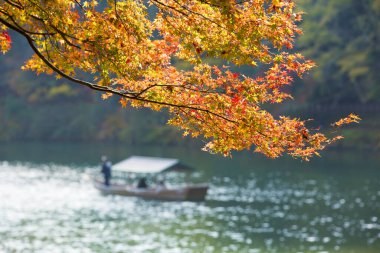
x=122 y=50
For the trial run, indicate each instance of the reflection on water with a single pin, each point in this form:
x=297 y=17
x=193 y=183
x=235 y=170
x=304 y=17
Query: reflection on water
x=252 y=206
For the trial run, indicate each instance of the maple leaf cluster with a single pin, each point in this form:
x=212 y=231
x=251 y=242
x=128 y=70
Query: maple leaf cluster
x=127 y=52
x=352 y=118
x=5 y=42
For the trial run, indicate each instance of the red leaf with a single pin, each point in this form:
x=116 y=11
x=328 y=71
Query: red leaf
x=235 y=99
x=7 y=37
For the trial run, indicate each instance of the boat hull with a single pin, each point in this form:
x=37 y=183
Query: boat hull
x=186 y=193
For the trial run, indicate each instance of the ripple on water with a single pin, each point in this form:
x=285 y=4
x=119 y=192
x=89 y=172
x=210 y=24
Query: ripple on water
x=52 y=208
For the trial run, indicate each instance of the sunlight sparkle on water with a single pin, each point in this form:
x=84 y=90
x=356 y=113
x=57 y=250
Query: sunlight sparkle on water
x=53 y=208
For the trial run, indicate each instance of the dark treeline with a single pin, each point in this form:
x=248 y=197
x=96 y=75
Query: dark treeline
x=341 y=36
x=44 y=108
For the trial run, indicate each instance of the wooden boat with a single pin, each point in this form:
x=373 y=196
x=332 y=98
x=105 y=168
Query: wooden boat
x=186 y=193
x=151 y=166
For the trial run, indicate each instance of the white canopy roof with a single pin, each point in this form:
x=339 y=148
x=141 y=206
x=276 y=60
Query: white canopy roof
x=145 y=164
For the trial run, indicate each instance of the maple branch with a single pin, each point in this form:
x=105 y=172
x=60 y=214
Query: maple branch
x=170 y=7
x=13 y=27
x=171 y=86
x=63 y=35
x=188 y=10
x=199 y=14
x=60 y=32
x=119 y=17
x=80 y=5
x=23 y=29
x=14 y=4
x=204 y=121
x=122 y=93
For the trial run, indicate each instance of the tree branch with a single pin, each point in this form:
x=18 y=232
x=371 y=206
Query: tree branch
x=122 y=93
x=23 y=29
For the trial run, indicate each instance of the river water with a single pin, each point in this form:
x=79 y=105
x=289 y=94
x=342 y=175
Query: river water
x=331 y=204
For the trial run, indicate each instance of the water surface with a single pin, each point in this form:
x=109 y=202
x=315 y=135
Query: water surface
x=331 y=204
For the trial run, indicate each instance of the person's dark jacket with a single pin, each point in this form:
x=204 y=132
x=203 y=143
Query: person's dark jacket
x=106 y=170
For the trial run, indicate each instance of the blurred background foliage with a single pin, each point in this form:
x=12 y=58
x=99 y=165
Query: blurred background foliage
x=341 y=36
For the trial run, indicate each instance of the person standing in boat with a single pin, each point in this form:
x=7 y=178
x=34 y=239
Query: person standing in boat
x=106 y=170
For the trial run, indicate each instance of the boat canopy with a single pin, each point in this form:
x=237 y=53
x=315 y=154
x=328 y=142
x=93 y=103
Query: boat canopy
x=145 y=164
